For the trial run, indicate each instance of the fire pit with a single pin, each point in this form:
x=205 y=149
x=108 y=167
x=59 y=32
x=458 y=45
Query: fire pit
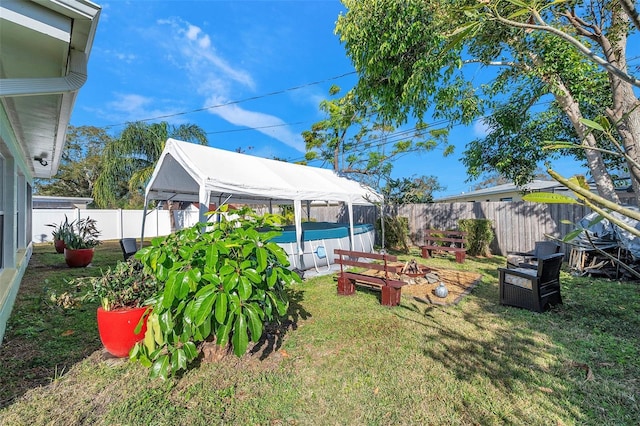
x=414 y=270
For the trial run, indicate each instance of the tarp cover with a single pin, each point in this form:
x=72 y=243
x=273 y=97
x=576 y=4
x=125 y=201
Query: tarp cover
x=605 y=234
x=188 y=172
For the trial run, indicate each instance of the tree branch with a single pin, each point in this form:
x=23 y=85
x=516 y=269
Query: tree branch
x=580 y=25
x=542 y=26
x=629 y=8
x=494 y=63
x=588 y=195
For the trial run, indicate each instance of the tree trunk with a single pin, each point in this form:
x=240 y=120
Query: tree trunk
x=599 y=173
x=601 y=177
x=625 y=112
x=626 y=116
x=172 y=219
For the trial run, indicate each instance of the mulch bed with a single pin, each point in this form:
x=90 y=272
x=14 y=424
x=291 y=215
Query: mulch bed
x=459 y=284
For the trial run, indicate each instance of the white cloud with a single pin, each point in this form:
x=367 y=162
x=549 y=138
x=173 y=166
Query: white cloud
x=132 y=107
x=129 y=102
x=192 y=32
x=264 y=123
x=218 y=80
x=198 y=54
x=309 y=96
x=480 y=129
x=120 y=56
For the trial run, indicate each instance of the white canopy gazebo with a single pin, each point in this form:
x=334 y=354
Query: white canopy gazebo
x=198 y=173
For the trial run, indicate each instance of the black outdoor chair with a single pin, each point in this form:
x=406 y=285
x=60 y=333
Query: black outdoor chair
x=129 y=247
x=533 y=289
x=530 y=259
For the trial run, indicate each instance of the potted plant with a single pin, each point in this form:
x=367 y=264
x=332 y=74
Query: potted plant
x=60 y=232
x=125 y=292
x=80 y=242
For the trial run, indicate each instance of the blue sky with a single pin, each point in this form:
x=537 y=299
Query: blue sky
x=179 y=61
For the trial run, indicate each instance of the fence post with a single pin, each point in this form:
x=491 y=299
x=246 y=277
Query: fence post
x=121 y=223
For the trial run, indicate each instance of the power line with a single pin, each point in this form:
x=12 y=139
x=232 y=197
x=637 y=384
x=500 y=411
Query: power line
x=252 y=98
x=255 y=128
x=393 y=137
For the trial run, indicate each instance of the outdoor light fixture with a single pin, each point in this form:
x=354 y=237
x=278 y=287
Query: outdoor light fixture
x=41 y=160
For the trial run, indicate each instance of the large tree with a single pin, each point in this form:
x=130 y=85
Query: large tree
x=80 y=165
x=413 y=190
x=412 y=58
x=131 y=158
x=358 y=143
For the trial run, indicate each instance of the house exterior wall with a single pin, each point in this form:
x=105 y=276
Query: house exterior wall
x=15 y=221
x=503 y=196
x=55 y=202
x=51 y=39
x=508 y=192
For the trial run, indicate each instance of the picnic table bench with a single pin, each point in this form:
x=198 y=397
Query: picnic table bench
x=453 y=241
x=390 y=288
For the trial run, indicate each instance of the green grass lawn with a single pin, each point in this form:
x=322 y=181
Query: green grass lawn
x=342 y=360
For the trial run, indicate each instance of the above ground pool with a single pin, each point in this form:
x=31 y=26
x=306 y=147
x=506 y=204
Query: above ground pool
x=319 y=239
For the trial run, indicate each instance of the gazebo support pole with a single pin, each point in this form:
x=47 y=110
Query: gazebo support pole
x=351 y=234
x=144 y=219
x=297 y=214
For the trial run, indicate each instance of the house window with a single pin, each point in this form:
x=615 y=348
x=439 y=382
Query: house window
x=506 y=199
x=21 y=212
x=29 y=207
x=2 y=204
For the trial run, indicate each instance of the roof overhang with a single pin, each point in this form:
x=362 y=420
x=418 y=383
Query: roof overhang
x=45 y=48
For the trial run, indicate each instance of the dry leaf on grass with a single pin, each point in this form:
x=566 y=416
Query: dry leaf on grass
x=585 y=367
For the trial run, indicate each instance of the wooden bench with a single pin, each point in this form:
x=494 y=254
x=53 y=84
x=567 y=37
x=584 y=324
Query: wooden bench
x=453 y=241
x=390 y=288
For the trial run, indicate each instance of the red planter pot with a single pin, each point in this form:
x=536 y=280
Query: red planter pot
x=59 y=245
x=78 y=258
x=117 y=329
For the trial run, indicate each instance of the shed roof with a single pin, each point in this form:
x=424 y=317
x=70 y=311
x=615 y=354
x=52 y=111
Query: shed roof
x=535 y=185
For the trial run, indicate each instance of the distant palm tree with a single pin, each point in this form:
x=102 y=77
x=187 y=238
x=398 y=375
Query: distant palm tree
x=129 y=160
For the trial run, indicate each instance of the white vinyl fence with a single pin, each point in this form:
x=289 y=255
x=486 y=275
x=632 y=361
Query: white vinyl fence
x=113 y=224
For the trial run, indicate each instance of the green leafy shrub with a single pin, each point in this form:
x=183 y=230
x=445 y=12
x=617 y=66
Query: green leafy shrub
x=220 y=284
x=396 y=232
x=479 y=235
x=287 y=214
x=125 y=285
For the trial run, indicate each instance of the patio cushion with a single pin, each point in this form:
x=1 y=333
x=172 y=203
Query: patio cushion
x=513 y=260
x=521 y=281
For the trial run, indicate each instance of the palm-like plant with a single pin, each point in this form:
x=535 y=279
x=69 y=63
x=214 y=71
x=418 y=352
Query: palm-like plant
x=129 y=160
x=83 y=235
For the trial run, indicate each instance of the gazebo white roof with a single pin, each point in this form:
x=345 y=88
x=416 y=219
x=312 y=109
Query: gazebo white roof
x=191 y=172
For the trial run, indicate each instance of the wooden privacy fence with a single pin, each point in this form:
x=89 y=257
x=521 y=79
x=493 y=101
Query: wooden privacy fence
x=517 y=225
